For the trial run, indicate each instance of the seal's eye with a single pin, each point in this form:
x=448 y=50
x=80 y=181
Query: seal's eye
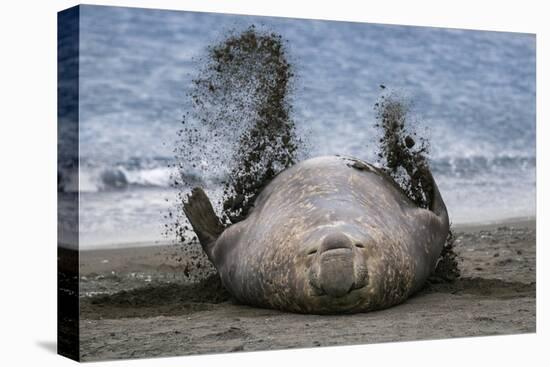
x=312 y=251
x=359 y=245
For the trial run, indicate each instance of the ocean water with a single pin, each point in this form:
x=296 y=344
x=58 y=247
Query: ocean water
x=473 y=95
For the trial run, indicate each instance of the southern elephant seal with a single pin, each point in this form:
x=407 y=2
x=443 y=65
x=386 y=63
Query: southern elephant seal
x=327 y=235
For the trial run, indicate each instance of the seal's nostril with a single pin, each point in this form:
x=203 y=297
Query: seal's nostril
x=359 y=245
x=312 y=252
x=335 y=240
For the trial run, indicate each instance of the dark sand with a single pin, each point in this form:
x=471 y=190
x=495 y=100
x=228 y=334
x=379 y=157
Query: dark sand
x=153 y=301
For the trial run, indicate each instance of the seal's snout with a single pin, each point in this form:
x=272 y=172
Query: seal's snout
x=336 y=270
x=338 y=267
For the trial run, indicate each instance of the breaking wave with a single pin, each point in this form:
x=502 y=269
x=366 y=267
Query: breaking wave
x=113 y=178
x=472 y=166
x=128 y=176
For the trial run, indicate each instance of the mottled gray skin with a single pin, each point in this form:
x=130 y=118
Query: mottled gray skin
x=331 y=235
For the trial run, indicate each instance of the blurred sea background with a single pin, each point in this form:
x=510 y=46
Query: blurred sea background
x=473 y=95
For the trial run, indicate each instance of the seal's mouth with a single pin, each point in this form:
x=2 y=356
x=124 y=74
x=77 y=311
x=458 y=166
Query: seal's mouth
x=320 y=292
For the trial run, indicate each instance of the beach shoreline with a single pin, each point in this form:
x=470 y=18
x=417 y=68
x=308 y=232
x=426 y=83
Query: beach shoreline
x=164 y=300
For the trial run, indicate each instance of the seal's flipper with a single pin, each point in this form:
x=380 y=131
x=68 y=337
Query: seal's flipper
x=203 y=219
x=437 y=206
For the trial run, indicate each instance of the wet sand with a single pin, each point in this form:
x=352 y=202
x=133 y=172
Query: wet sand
x=160 y=301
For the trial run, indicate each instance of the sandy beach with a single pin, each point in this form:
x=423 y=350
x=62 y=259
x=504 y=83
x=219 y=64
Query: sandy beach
x=145 y=301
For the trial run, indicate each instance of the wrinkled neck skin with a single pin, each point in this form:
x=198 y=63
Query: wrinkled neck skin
x=331 y=235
